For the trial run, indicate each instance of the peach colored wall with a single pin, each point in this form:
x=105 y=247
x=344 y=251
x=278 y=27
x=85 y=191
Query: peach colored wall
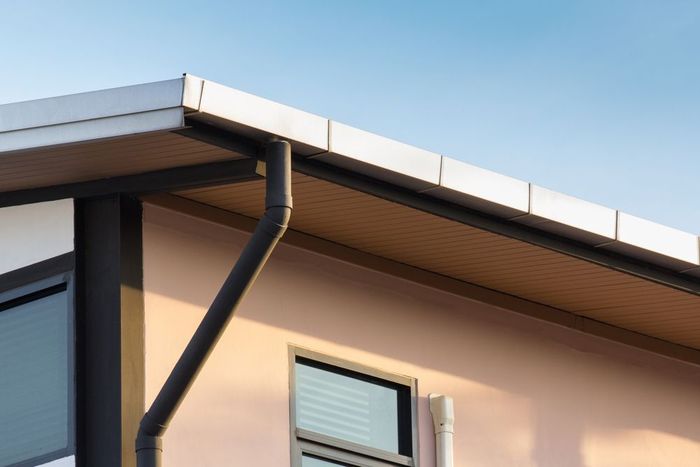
x=522 y=398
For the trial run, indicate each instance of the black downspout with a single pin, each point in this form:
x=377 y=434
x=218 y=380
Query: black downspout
x=270 y=228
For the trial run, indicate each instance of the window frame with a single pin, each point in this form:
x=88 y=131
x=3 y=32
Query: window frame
x=333 y=449
x=34 y=282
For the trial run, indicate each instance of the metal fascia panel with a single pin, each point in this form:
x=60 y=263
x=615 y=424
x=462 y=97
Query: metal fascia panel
x=192 y=92
x=656 y=243
x=237 y=110
x=91 y=105
x=482 y=189
x=382 y=158
x=566 y=215
x=87 y=130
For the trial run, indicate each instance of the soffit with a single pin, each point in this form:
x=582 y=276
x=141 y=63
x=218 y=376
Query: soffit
x=134 y=154
x=453 y=249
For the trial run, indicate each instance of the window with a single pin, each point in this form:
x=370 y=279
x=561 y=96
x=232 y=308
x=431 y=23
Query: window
x=344 y=414
x=36 y=372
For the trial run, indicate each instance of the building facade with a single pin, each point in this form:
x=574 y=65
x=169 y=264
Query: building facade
x=563 y=333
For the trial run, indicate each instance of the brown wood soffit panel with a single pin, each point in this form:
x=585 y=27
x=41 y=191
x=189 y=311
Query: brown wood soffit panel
x=95 y=160
x=419 y=239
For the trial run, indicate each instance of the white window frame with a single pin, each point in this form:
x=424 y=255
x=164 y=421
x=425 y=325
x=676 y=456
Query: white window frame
x=337 y=450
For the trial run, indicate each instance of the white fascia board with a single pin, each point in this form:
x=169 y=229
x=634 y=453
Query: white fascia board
x=92 y=115
x=35 y=232
x=87 y=130
x=258 y=118
x=91 y=105
x=382 y=158
x=656 y=243
x=482 y=189
x=569 y=216
x=192 y=92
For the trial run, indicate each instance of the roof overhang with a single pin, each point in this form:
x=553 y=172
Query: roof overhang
x=197 y=138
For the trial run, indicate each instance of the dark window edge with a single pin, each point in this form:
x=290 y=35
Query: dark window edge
x=35 y=272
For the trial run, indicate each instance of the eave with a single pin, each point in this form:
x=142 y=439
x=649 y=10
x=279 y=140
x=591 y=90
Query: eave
x=409 y=206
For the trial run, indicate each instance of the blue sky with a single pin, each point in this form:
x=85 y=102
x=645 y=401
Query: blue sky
x=599 y=99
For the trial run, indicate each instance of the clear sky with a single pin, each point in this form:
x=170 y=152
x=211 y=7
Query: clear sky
x=599 y=99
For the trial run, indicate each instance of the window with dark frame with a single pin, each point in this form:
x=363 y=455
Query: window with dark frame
x=345 y=414
x=36 y=372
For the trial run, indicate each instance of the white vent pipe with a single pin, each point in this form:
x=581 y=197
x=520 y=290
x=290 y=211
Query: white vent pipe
x=442 y=409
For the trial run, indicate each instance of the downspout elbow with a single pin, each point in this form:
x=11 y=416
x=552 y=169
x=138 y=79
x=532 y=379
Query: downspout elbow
x=149 y=449
x=278 y=219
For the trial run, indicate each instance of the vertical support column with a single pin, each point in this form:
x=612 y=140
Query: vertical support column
x=110 y=329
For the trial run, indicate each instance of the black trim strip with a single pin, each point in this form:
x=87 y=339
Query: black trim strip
x=33 y=296
x=37 y=271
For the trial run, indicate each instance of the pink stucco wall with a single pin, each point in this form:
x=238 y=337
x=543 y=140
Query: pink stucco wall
x=523 y=395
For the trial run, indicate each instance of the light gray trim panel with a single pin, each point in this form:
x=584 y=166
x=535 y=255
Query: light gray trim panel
x=381 y=158
x=482 y=189
x=377 y=454
x=569 y=216
x=647 y=240
x=260 y=118
x=88 y=130
x=91 y=105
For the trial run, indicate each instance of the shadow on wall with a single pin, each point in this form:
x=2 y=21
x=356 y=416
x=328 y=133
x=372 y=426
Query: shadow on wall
x=568 y=390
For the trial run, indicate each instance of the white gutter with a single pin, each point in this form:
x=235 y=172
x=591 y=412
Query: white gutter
x=92 y=115
x=442 y=409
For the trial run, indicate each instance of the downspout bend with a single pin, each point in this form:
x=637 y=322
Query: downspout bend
x=270 y=228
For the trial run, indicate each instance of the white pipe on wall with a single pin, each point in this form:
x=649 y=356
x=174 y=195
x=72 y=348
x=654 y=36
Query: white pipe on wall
x=442 y=409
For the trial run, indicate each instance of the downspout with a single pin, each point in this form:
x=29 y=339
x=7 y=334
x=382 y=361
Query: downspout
x=442 y=409
x=270 y=228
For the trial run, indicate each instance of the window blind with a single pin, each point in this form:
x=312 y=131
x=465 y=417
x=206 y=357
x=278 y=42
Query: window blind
x=34 y=372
